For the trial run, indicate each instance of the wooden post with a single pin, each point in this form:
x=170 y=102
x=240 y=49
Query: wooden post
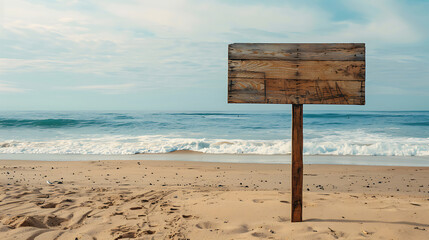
x=297 y=164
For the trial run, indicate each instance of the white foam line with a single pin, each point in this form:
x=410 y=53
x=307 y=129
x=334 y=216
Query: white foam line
x=371 y=145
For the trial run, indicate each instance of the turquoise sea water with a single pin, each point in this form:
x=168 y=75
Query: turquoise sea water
x=325 y=132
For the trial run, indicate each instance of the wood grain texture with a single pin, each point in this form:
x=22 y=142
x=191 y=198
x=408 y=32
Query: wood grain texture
x=297 y=73
x=297 y=51
x=280 y=91
x=305 y=70
x=246 y=90
x=297 y=162
x=314 y=92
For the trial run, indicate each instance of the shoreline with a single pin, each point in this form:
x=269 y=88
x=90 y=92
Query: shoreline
x=416 y=161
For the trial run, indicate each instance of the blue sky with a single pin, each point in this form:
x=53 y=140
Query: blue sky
x=172 y=55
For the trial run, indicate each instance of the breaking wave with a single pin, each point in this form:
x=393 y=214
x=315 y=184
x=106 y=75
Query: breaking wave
x=372 y=145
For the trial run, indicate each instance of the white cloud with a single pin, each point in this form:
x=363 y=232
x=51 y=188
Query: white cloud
x=106 y=89
x=149 y=31
x=9 y=88
x=178 y=43
x=205 y=20
x=382 y=23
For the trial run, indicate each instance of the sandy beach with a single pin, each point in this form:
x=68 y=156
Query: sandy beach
x=196 y=200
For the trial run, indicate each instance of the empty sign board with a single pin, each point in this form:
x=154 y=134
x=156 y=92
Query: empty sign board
x=296 y=73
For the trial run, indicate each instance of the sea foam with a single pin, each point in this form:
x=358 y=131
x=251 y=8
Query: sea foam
x=332 y=145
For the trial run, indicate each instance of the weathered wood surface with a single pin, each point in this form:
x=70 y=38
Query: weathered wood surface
x=311 y=92
x=281 y=91
x=297 y=162
x=297 y=51
x=297 y=73
x=305 y=70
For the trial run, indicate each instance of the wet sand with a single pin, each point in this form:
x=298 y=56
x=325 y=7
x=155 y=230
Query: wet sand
x=196 y=200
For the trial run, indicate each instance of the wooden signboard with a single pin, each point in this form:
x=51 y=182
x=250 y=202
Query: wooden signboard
x=296 y=73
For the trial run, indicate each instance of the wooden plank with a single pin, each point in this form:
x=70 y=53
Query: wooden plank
x=297 y=162
x=245 y=97
x=306 y=70
x=297 y=51
x=314 y=92
x=280 y=91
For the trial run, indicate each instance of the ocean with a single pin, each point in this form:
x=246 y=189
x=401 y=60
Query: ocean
x=343 y=133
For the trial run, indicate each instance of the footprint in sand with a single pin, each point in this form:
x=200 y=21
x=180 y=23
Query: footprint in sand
x=49 y=205
x=25 y=221
x=241 y=229
x=259 y=235
x=187 y=216
x=53 y=221
x=34 y=221
x=43 y=196
x=149 y=232
x=136 y=208
x=78 y=217
x=123 y=231
x=206 y=225
x=126 y=235
x=67 y=200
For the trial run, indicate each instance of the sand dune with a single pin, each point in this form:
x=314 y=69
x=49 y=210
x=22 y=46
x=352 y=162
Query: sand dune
x=193 y=200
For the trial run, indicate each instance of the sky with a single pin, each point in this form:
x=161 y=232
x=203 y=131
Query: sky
x=172 y=55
